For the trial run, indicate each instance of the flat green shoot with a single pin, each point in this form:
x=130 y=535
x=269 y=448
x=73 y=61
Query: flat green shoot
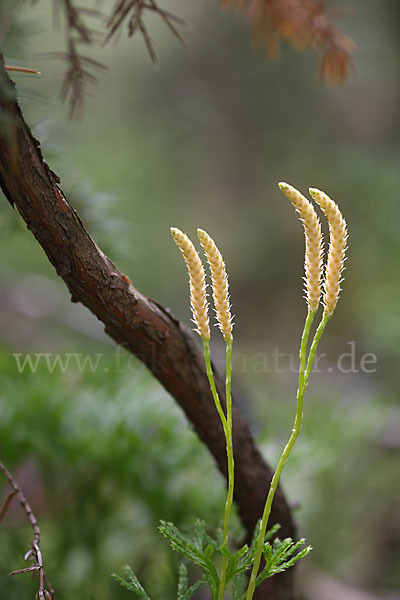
x=132 y=583
x=186 y=592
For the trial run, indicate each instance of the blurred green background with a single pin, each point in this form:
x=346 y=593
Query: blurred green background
x=202 y=142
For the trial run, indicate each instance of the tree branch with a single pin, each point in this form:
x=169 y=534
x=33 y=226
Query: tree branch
x=133 y=320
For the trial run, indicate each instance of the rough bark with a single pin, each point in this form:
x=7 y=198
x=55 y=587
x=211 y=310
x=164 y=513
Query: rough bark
x=139 y=324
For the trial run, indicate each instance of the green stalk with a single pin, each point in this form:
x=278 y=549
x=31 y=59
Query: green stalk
x=304 y=374
x=227 y=426
x=229 y=453
x=229 y=444
x=210 y=375
x=314 y=345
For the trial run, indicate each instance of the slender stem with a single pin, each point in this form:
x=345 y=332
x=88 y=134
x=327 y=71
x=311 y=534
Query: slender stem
x=229 y=443
x=210 y=375
x=227 y=426
x=229 y=453
x=303 y=344
x=304 y=374
x=314 y=345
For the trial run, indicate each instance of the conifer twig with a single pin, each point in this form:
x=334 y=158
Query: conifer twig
x=21 y=70
x=303 y=24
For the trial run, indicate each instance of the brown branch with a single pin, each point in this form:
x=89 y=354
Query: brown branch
x=34 y=553
x=133 y=320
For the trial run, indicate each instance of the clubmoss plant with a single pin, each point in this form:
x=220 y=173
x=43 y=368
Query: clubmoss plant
x=220 y=289
x=201 y=548
x=313 y=276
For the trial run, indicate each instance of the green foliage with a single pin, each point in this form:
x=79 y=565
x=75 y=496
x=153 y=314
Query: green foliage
x=199 y=550
x=281 y=556
x=109 y=467
x=186 y=592
x=206 y=551
x=132 y=583
x=242 y=560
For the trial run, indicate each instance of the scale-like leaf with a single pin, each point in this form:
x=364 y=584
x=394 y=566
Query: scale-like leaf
x=296 y=557
x=184 y=591
x=183 y=582
x=238 y=585
x=132 y=583
x=183 y=544
x=246 y=562
x=281 y=556
x=234 y=567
